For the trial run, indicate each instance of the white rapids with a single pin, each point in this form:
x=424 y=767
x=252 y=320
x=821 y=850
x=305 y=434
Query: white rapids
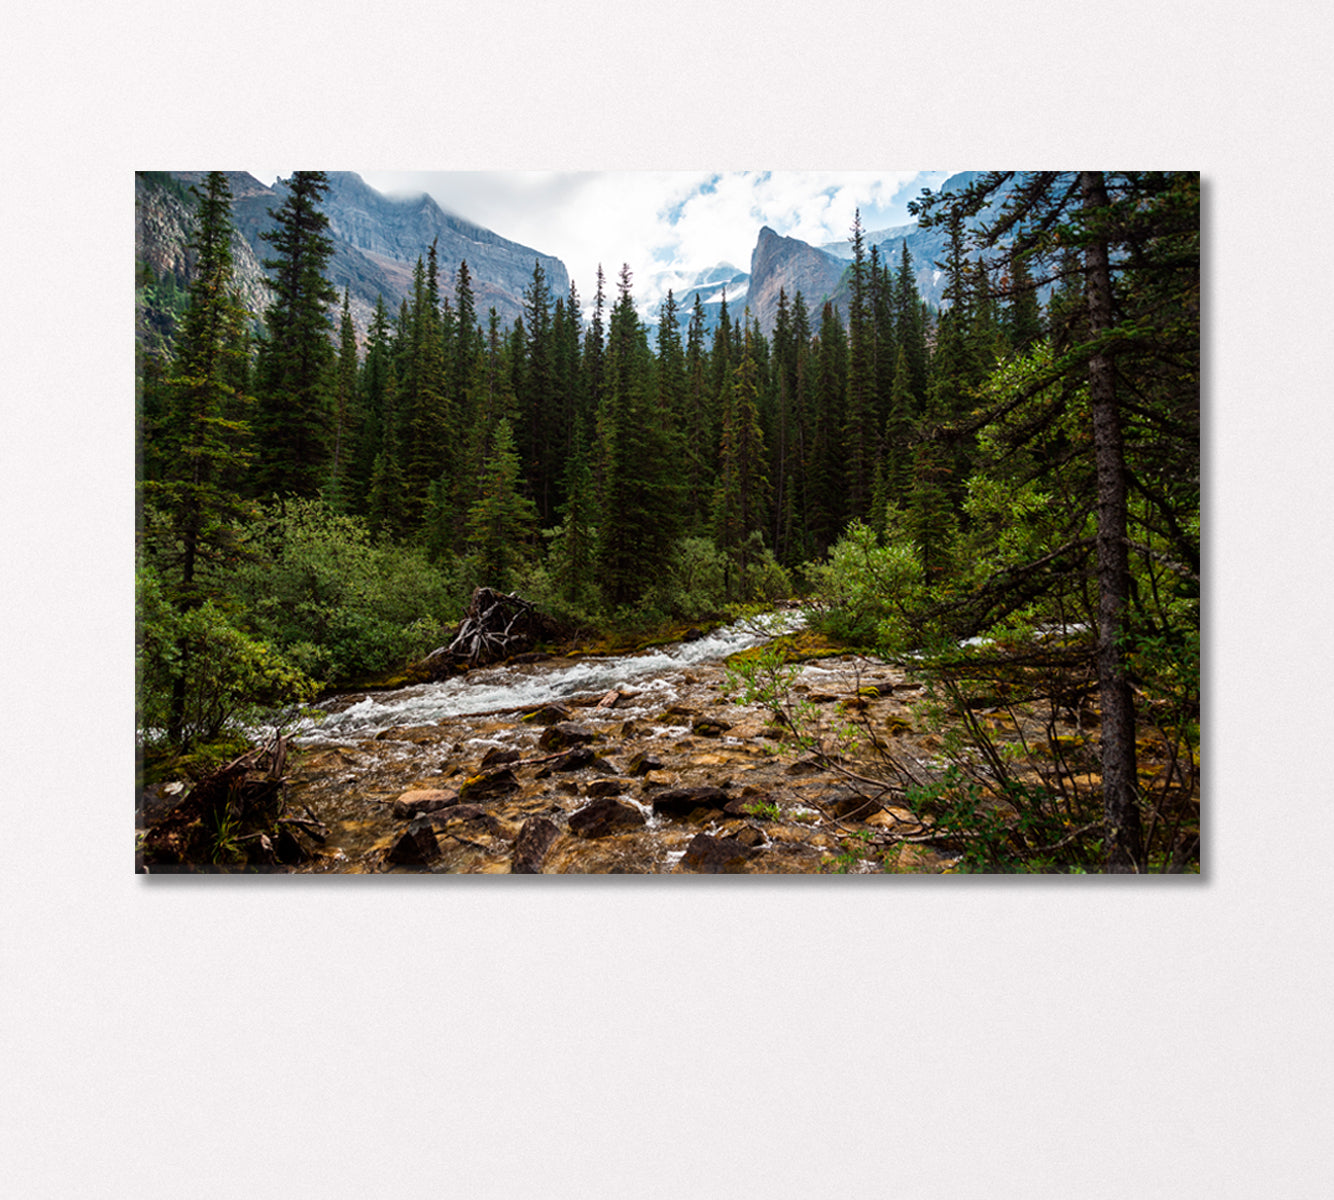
x=505 y=689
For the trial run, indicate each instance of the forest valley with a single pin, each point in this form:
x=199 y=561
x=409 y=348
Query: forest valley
x=1001 y=495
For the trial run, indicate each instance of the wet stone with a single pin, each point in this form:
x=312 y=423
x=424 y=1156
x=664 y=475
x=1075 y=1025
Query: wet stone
x=455 y=814
x=422 y=800
x=641 y=764
x=532 y=844
x=851 y=806
x=681 y=802
x=716 y=856
x=606 y=816
x=548 y=714
x=709 y=726
x=564 y=735
x=489 y=785
x=417 y=847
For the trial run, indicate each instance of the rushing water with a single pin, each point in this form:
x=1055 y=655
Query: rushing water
x=506 y=689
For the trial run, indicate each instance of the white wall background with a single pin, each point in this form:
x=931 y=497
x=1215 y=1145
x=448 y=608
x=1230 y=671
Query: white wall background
x=681 y=1037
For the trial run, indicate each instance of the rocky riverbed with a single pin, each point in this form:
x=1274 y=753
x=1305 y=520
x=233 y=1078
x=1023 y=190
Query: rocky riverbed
x=638 y=764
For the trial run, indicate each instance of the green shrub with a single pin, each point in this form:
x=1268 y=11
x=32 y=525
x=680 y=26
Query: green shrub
x=197 y=674
x=864 y=592
x=340 y=603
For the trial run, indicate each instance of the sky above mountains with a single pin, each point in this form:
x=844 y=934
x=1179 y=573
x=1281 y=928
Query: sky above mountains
x=666 y=225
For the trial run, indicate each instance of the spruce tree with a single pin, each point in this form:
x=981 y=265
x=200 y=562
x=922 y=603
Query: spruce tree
x=1137 y=237
x=191 y=513
x=202 y=439
x=346 y=417
x=860 y=432
x=501 y=520
x=293 y=418
x=635 y=472
x=741 y=504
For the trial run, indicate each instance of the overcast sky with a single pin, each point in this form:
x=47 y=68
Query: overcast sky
x=656 y=220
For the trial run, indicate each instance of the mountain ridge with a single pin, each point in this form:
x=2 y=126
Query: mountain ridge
x=377 y=241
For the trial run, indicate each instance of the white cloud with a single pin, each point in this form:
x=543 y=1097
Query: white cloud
x=660 y=221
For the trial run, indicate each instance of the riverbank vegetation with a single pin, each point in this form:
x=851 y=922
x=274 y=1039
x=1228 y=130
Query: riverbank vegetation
x=1004 y=492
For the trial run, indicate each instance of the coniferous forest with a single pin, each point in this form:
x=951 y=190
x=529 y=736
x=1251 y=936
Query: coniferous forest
x=1004 y=489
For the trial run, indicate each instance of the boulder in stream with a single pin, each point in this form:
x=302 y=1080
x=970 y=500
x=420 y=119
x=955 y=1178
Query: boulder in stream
x=606 y=816
x=417 y=847
x=531 y=846
x=681 y=802
x=564 y=735
x=422 y=800
x=717 y=856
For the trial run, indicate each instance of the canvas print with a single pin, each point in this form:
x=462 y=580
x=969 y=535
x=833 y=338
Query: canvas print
x=667 y=522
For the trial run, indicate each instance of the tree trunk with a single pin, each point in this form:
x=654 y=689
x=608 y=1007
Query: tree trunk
x=1123 y=837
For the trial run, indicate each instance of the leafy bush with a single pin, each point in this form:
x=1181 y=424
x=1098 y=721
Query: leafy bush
x=864 y=593
x=197 y=674
x=339 y=603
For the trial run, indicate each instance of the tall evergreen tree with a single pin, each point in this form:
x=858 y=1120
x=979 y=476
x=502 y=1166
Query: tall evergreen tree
x=743 y=486
x=861 y=431
x=501 y=520
x=202 y=438
x=292 y=421
x=542 y=434
x=346 y=417
x=635 y=529
x=1138 y=235
x=191 y=511
x=827 y=495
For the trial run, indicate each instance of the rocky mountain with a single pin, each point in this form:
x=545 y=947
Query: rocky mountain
x=710 y=286
x=821 y=273
x=788 y=264
x=377 y=242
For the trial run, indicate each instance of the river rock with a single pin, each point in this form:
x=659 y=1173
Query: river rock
x=564 y=735
x=455 y=814
x=681 y=802
x=716 y=856
x=488 y=785
x=606 y=816
x=422 y=800
x=709 y=726
x=532 y=844
x=417 y=847
x=641 y=764
x=496 y=757
x=548 y=714
x=606 y=787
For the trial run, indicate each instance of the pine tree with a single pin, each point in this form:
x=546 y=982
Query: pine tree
x=501 y=521
x=190 y=511
x=292 y=423
x=911 y=328
x=860 y=431
x=346 y=417
x=201 y=441
x=743 y=487
x=827 y=493
x=1138 y=236
x=697 y=424
x=635 y=484
x=371 y=382
x=429 y=443
x=542 y=432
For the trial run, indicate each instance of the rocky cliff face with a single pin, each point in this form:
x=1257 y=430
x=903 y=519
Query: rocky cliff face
x=377 y=241
x=164 y=225
x=788 y=264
